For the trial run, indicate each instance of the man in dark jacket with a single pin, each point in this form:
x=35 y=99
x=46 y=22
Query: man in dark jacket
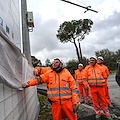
x=117 y=77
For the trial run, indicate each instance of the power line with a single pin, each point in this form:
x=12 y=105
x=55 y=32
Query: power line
x=81 y=2
x=87 y=8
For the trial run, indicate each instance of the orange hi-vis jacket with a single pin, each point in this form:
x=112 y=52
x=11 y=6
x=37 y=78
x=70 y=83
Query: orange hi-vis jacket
x=42 y=70
x=60 y=86
x=79 y=76
x=94 y=76
x=105 y=70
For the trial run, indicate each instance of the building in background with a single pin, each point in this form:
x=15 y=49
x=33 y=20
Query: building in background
x=10 y=20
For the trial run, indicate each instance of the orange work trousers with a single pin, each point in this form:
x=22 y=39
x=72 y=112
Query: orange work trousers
x=65 y=110
x=98 y=93
x=107 y=92
x=81 y=88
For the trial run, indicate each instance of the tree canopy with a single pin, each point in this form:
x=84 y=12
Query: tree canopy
x=72 y=65
x=109 y=57
x=74 y=31
x=35 y=61
x=48 y=63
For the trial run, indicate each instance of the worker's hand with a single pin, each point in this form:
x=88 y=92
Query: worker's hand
x=25 y=85
x=35 y=72
x=76 y=106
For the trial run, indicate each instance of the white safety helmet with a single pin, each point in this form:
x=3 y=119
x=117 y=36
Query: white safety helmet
x=93 y=57
x=80 y=65
x=100 y=57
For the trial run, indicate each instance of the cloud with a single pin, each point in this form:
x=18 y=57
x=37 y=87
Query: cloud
x=44 y=36
x=104 y=34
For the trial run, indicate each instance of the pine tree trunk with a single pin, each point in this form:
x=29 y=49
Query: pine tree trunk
x=80 y=52
x=77 y=51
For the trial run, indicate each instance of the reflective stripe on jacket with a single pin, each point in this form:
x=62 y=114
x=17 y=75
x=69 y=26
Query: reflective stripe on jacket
x=60 y=86
x=94 y=76
x=79 y=76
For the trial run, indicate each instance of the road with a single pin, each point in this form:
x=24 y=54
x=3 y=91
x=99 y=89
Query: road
x=114 y=90
x=86 y=112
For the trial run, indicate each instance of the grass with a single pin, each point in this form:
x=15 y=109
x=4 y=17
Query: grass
x=113 y=72
x=45 y=108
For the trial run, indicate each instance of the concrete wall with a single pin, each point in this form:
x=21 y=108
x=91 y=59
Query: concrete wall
x=18 y=105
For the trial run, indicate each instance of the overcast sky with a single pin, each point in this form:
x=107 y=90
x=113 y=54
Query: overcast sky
x=49 y=14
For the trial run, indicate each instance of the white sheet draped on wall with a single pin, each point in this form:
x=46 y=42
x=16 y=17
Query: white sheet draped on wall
x=15 y=103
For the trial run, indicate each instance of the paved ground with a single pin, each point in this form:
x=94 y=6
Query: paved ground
x=114 y=90
x=86 y=112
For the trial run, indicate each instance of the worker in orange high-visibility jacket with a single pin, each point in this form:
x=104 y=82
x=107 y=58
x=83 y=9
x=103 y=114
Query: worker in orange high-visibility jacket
x=106 y=71
x=79 y=79
x=94 y=76
x=41 y=70
x=61 y=90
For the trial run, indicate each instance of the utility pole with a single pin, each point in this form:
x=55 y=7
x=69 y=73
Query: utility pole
x=25 y=31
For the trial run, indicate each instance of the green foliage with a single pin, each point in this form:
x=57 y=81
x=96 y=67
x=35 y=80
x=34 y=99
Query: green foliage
x=85 y=61
x=74 y=31
x=68 y=31
x=48 y=63
x=117 y=53
x=45 y=108
x=113 y=72
x=72 y=65
x=42 y=98
x=35 y=61
x=109 y=58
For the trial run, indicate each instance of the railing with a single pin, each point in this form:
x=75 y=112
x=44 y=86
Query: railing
x=42 y=91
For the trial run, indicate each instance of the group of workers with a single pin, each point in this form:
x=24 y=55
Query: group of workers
x=94 y=79
x=62 y=89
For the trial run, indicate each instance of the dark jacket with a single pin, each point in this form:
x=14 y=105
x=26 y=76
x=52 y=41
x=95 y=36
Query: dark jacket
x=117 y=77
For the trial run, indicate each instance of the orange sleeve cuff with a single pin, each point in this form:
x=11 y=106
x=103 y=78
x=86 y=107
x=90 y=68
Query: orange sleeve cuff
x=33 y=82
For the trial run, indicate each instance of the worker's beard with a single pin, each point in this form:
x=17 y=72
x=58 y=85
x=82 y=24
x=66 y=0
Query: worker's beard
x=58 y=69
x=99 y=63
